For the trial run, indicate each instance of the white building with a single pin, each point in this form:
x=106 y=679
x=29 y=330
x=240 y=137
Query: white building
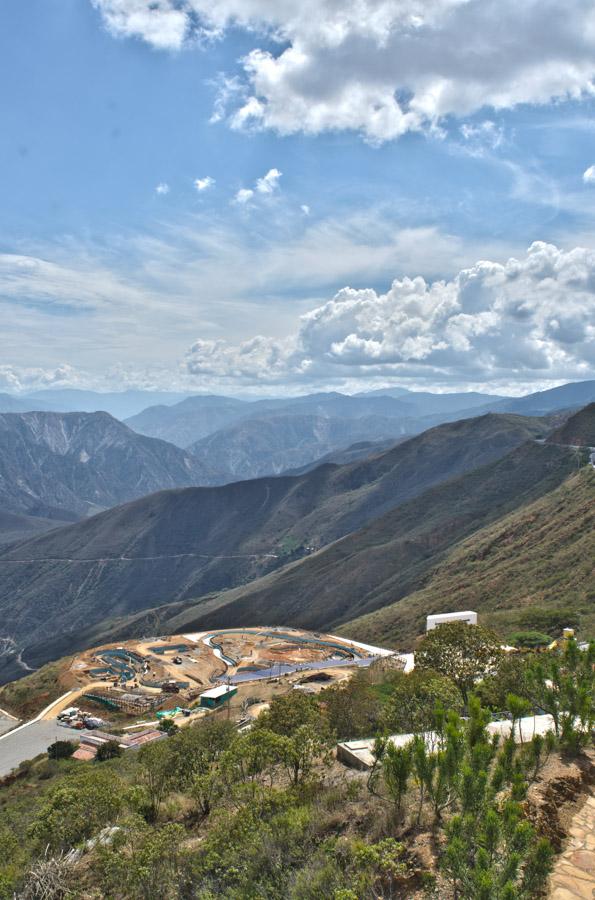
x=442 y=618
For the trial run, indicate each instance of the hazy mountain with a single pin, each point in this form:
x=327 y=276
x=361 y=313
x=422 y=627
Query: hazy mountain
x=184 y=543
x=67 y=465
x=270 y=444
x=9 y=404
x=186 y=422
x=543 y=402
x=424 y=403
x=120 y=404
x=198 y=417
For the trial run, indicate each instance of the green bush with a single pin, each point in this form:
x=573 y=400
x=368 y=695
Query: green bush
x=61 y=749
x=412 y=699
x=109 y=750
x=530 y=639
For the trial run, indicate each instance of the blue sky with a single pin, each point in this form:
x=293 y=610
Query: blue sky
x=115 y=270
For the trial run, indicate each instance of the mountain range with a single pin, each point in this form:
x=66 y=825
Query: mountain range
x=181 y=544
x=62 y=466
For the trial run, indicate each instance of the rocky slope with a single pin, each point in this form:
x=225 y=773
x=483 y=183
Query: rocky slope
x=68 y=465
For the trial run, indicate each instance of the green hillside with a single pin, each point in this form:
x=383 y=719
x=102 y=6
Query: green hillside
x=532 y=569
x=390 y=559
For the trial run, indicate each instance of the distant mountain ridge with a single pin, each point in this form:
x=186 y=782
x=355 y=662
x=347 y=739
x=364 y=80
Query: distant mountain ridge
x=68 y=465
x=271 y=444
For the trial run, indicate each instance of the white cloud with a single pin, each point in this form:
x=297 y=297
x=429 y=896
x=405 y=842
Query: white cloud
x=529 y=319
x=203 y=184
x=162 y=188
x=243 y=196
x=589 y=175
x=269 y=182
x=305 y=209
x=381 y=67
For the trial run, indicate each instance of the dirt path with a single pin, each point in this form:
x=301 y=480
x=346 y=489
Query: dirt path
x=573 y=877
x=52 y=711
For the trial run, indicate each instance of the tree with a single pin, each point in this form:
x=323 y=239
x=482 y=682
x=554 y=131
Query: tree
x=155 y=776
x=562 y=683
x=464 y=653
x=61 y=749
x=109 y=750
x=168 y=726
x=289 y=712
x=413 y=698
x=352 y=708
x=193 y=750
x=249 y=762
x=511 y=677
x=299 y=752
x=77 y=808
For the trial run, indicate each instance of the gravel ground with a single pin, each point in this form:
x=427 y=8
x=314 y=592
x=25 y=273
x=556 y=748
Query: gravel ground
x=30 y=741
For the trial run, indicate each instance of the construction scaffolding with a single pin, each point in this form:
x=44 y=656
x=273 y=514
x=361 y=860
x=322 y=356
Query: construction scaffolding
x=133 y=704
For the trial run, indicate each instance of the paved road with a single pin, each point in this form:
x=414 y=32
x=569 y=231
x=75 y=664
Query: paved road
x=30 y=741
x=6 y=724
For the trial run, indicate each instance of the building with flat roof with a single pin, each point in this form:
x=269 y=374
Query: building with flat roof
x=467 y=616
x=217 y=696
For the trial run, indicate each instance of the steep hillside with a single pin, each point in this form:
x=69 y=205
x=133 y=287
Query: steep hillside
x=578 y=430
x=180 y=544
x=270 y=444
x=67 y=465
x=389 y=559
x=536 y=561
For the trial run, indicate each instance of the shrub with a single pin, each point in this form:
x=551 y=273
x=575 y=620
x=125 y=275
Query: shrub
x=61 y=749
x=530 y=639
x=412 y=700
x=109 y=750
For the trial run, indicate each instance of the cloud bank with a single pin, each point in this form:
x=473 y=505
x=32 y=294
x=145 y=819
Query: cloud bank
x=530 y=319
x=381 y=67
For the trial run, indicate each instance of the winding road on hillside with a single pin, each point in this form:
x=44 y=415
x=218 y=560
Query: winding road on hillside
x=108 y=559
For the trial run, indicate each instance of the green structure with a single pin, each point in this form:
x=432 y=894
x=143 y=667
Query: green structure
x=216 y=697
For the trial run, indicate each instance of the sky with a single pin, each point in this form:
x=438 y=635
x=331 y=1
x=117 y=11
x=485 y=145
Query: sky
x=283 y=196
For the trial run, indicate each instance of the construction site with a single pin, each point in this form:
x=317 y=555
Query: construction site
x=139 y=683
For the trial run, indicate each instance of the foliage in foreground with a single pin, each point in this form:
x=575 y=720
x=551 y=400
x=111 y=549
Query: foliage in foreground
x=210 y=813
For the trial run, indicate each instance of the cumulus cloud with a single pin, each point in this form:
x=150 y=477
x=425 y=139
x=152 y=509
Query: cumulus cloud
x=305 y=209
x=528 y=319
x=269 y=183
x=266 y=186
x=243 y=196
x=162 y=188
x=381 y=67
x=203 y=184
x=589 y=175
